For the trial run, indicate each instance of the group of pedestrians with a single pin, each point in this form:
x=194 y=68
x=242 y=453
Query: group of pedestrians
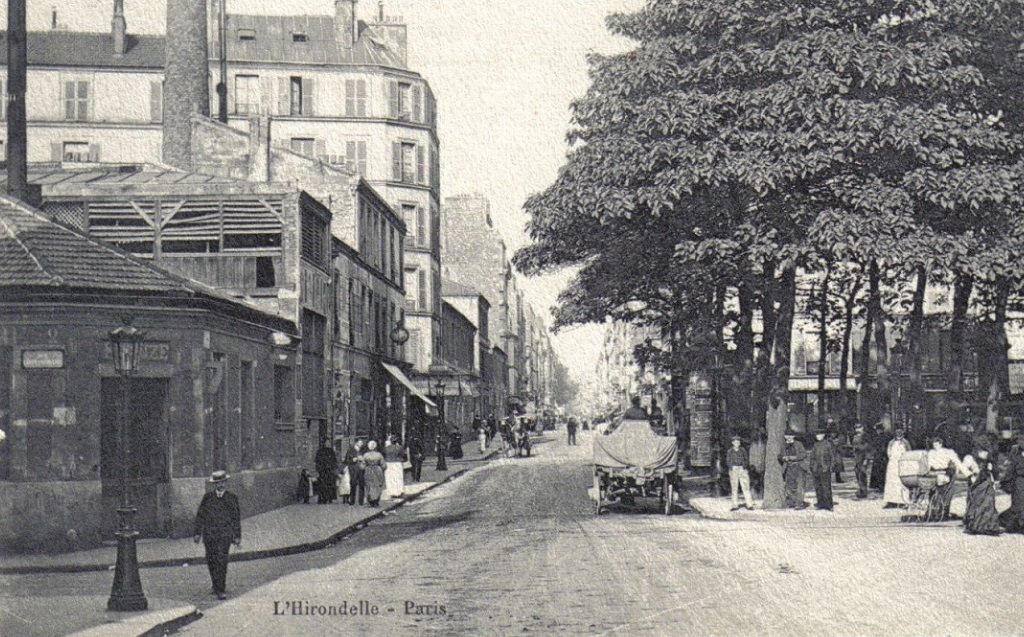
x=365 y=474
x=983 y=470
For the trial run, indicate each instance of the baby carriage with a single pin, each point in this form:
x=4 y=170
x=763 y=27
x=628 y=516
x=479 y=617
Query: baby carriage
x=923 y=485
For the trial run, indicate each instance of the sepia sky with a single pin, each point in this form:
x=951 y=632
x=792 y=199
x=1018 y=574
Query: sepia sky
x=504 y=72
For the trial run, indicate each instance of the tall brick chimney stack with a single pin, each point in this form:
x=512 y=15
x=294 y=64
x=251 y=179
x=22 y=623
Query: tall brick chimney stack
x=119 y=28
x=186 y=78
x=345 y=23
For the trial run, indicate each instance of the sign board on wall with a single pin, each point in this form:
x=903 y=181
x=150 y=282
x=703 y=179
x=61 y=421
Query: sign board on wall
x=42 y=359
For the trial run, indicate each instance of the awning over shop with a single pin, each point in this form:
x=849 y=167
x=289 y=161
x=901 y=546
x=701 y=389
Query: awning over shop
x=402 y=378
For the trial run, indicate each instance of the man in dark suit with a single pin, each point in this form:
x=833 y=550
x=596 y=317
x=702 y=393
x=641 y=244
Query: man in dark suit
x=326 y=462
x=218 y=524
x=416 y=455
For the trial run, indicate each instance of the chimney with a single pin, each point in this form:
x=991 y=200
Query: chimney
x=186 y=78
x=17 y=127
x=345 y=23
x=119 y=28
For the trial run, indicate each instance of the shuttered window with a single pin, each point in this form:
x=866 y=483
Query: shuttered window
x=247 y=94
x=355 y=156
x=77 y=95
x=300 y=96
x=314 y=243
x=355 y=98
x=156 y=101
x=421 y=169
x=421 y=227
x=421 y=285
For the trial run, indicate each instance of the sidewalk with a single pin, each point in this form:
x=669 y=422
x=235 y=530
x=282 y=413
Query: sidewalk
x=848 y=511
x=292 y=529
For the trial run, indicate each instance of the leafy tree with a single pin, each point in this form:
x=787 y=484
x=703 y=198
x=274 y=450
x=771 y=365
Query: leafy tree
x=750 y=135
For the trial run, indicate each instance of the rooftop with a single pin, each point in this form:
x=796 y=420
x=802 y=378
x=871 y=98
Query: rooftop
x=35 y=251
x=273 y=41
x=454 y=288
x=73 y=48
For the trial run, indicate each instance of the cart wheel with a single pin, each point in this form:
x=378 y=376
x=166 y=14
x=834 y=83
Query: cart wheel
x=598 y=490
x=668 y=496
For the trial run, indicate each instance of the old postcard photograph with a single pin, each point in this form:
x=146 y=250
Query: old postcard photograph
x=492 y=317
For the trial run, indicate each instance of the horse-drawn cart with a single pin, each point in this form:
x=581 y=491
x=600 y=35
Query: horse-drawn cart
x=633 y=462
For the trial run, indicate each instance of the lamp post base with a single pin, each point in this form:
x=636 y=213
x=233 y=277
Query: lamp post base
x=126 y=593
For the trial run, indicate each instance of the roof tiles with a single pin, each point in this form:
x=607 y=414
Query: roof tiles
x=35 y=251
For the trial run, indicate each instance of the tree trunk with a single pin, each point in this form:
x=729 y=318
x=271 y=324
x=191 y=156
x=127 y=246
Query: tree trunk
x=744 y=355
x=822 y=346
x=871 y=403
x=863 y=361
x=915 y=328
x=996 y=364
x=844 y=361
x=963 y=286
x=774 y=492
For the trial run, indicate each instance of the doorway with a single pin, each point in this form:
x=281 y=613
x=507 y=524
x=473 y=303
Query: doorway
x=146 y=450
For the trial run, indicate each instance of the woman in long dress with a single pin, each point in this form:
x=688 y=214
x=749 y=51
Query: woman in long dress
x=945 y=464
x=394 y=472
x=1013 y=482
x=981 y=516
x=373 y=473
x=895 y=493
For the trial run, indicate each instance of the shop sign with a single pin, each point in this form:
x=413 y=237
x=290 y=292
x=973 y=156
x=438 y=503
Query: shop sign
x=42 y=359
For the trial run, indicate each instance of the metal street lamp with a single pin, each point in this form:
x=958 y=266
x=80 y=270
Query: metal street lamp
x=126 y=593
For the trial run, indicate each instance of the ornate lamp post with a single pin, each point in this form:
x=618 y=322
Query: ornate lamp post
x=399 y=336
x=126 y=593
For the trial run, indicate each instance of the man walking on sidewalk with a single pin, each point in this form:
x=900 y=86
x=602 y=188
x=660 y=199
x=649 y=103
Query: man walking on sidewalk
x=738 y=460
x=792 y=459
x=218 y=524
x=861 y=460
x=822 y=456
x=416 y=455
x=570 y=428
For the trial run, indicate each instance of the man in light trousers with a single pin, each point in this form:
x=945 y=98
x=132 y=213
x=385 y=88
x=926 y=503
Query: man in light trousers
x=737 y=459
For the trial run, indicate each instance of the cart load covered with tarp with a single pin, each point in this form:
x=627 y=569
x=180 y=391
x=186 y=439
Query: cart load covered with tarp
x=633 y=462
x=632 y=445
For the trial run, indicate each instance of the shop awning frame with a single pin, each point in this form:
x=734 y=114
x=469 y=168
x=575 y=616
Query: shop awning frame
x=402 y=378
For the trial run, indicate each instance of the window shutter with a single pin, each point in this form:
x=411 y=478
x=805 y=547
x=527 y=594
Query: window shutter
x=284 y=96
x=422 y=285
x=396 y=161
x=417 y=103
x=94 y=152
x=350 y=155
x=3 y=102
x=307 y=96
x=350 y=98
x=156 y=101
x=421 y=227
x=361 y=146
x=394 y=98
x=321 y=149
x=266 y=96
x=361 y=97
x=69 y=100
x=84 y=100
x=420 y=166
x=56 y=151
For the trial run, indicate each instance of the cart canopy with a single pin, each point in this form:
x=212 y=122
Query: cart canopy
x=634 y=445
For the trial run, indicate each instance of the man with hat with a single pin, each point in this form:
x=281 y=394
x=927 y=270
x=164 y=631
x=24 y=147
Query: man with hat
x=792 y=458
x=822 y=456
x=737 y=459
x=218 y=524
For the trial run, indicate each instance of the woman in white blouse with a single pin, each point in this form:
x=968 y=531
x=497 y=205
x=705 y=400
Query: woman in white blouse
x=945 y=464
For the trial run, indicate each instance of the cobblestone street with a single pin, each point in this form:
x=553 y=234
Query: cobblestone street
x=514 y=547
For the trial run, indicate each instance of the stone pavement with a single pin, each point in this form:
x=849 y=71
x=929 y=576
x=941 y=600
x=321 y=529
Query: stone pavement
x=290 y=529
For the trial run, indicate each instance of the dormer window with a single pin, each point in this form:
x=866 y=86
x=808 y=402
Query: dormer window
x=300 y=38
x=246 y=35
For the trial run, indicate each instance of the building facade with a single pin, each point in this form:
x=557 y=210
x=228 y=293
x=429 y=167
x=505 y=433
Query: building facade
x=334 y=88
x=215 y=389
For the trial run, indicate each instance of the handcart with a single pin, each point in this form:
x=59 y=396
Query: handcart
x=633 y=463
